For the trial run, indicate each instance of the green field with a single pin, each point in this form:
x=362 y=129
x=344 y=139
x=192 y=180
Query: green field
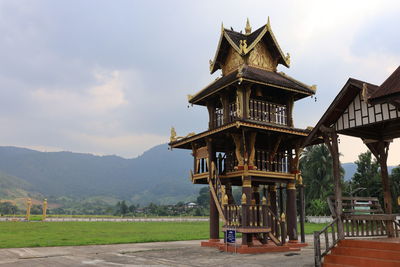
x=42 y=234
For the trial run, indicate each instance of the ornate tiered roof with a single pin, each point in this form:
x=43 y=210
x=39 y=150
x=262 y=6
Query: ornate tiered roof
x=244 y=43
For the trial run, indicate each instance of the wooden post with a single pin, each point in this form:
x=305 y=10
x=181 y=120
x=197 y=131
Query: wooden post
x=211 y=115
x=380 y=150
x=291 y=212
x=302 y=210
x=281 y=202
x=246 y=202
x=289 y=110
x=225 y=106
x=330 y=138
x=214 y=216
x=246 y=100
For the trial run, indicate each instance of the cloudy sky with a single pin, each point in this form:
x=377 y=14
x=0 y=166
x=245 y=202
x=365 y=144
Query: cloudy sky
x=111 y=77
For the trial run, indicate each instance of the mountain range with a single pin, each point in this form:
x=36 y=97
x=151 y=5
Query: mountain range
x=158 y=175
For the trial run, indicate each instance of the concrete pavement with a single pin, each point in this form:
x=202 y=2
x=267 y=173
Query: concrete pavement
x=180 y=253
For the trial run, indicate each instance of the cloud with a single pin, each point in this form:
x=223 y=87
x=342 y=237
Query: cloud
x=126 y=145
x=98 y=99
x=91 y=75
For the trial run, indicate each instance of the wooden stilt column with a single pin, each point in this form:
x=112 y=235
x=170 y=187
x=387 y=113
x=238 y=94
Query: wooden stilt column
x=380 y=150
x=246 y=201
x=330 y=138
x=302 y=209
x=291 y=212
x=214 y=215
x=281 y=202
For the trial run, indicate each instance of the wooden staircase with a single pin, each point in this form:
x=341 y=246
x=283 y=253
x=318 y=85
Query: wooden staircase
x=368 y=253
x=217 y=190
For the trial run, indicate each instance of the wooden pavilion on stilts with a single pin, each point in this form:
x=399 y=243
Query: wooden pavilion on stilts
x=372 y=113
x=251 y=142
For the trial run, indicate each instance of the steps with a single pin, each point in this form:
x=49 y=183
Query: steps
x=380 y=253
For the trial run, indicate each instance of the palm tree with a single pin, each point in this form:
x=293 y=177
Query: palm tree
x=317 y=172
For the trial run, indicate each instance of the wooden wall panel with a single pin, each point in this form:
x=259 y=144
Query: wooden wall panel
x=360 y=113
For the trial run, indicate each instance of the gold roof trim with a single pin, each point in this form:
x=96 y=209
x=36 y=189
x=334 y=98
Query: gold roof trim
x=274 y=85
x=237 y=124
x=311 y=87
x=193 y=96
x=232 y=43
x=286 y=58
x=212 y=62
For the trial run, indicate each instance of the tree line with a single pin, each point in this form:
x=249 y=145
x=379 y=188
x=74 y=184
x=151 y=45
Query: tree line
x=316 y=168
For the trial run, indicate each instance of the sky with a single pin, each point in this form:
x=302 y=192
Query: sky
x=112 y=77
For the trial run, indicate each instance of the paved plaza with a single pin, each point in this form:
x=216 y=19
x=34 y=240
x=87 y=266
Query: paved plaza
x=180 y=253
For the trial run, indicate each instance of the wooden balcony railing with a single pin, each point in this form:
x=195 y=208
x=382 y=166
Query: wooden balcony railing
x=233 y=215
x=279 y=162
x=259 y=110
x=218 y=117
x=265 y=111
x=233 y=114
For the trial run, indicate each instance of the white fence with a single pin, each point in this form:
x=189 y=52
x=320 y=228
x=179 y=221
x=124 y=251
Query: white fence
x=70 y=219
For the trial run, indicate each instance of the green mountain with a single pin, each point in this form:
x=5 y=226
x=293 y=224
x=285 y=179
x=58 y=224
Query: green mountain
x=12 y=187
x=350 y=169
x=158 y=175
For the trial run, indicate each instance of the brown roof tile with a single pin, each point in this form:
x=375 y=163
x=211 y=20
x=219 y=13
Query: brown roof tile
x=389 y=87
x=254 y=75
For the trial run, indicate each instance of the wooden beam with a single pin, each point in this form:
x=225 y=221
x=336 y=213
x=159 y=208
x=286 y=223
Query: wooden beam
x=380 y=150
x=330 y=137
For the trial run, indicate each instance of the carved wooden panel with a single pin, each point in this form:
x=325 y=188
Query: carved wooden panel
x=232 y=62
x=260 y=57
x=360 y=113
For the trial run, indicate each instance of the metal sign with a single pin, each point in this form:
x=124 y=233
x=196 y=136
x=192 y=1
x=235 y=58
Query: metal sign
x=230 y=236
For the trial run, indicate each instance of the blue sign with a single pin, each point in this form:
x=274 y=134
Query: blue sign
x=230 y=236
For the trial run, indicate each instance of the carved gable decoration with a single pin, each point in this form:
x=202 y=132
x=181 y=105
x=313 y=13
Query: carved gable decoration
x=232 y=62
x=236 y=47
x=260 y=57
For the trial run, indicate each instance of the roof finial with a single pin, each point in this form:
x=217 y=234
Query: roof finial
x=248 y=27
x=222 y=27
x=268 y=23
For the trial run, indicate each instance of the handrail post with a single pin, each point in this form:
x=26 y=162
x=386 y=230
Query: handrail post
x=283 y=229
x=317 y=249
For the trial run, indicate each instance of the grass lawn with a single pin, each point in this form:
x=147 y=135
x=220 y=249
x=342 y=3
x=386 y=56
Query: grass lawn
x=43 y=234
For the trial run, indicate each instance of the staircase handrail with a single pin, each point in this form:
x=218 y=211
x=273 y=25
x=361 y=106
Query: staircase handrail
x=328 y=247
x=213 y=188
x=280 y=232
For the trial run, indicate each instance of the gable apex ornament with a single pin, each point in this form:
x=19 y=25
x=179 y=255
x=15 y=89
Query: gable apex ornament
x=243 y=46
x=287 y=58
x=248 y=27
